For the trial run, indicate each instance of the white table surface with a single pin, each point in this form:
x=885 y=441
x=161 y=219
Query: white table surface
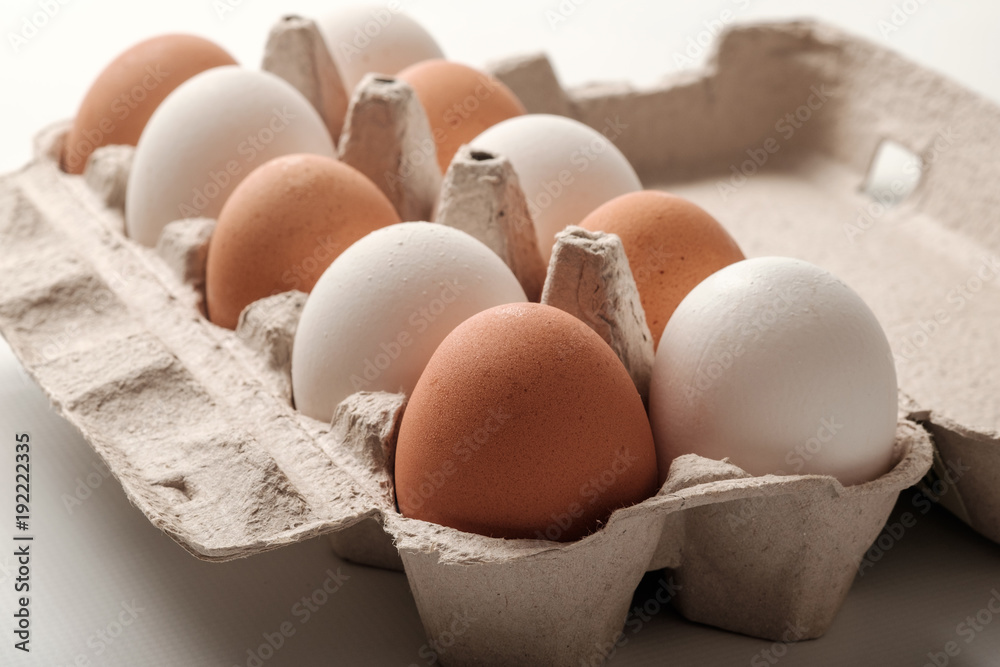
x=97 y=558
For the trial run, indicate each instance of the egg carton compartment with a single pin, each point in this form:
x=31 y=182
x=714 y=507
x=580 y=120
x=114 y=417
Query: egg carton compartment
x=755 y=555
x=779 y=139
x=196 y=421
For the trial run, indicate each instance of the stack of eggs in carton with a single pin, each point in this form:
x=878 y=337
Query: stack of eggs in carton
x=464 y=338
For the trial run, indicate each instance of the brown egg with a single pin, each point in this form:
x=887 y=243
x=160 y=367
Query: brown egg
x=283 y=225
x=524 y=424
x=460 y=103
x=671 y=243
x=126 y=93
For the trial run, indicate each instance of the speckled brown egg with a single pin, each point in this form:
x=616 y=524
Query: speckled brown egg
x=283 y=225
x=672 y=244
x=524 y=424
x=127 y=92
x=460 y=102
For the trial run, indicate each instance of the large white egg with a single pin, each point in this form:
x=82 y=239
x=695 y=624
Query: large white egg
x=378 y=39
x=566 y=169
x=779 y=366
x=379 y=311
x=206 y=136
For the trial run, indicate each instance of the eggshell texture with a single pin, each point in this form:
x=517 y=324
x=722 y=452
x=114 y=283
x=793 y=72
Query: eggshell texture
x=460 y=102
x=123 y=97
x=382 y=307
x=565 y=168
x=782 y=368
x=364 y=39
x=672 y=244
x=283 y=225
x=525 y=424
x=206 y=137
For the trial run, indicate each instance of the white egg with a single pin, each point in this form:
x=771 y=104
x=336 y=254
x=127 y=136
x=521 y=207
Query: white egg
x=206 y=136
x=379 y=311
x=565 y=168
x=782 y=368
x=378 y=39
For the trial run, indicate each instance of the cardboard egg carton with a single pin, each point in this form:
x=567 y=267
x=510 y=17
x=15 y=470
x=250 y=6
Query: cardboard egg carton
x=197 y=422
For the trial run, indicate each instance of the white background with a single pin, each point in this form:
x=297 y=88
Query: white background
x=95 y=557
x=600 y=40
